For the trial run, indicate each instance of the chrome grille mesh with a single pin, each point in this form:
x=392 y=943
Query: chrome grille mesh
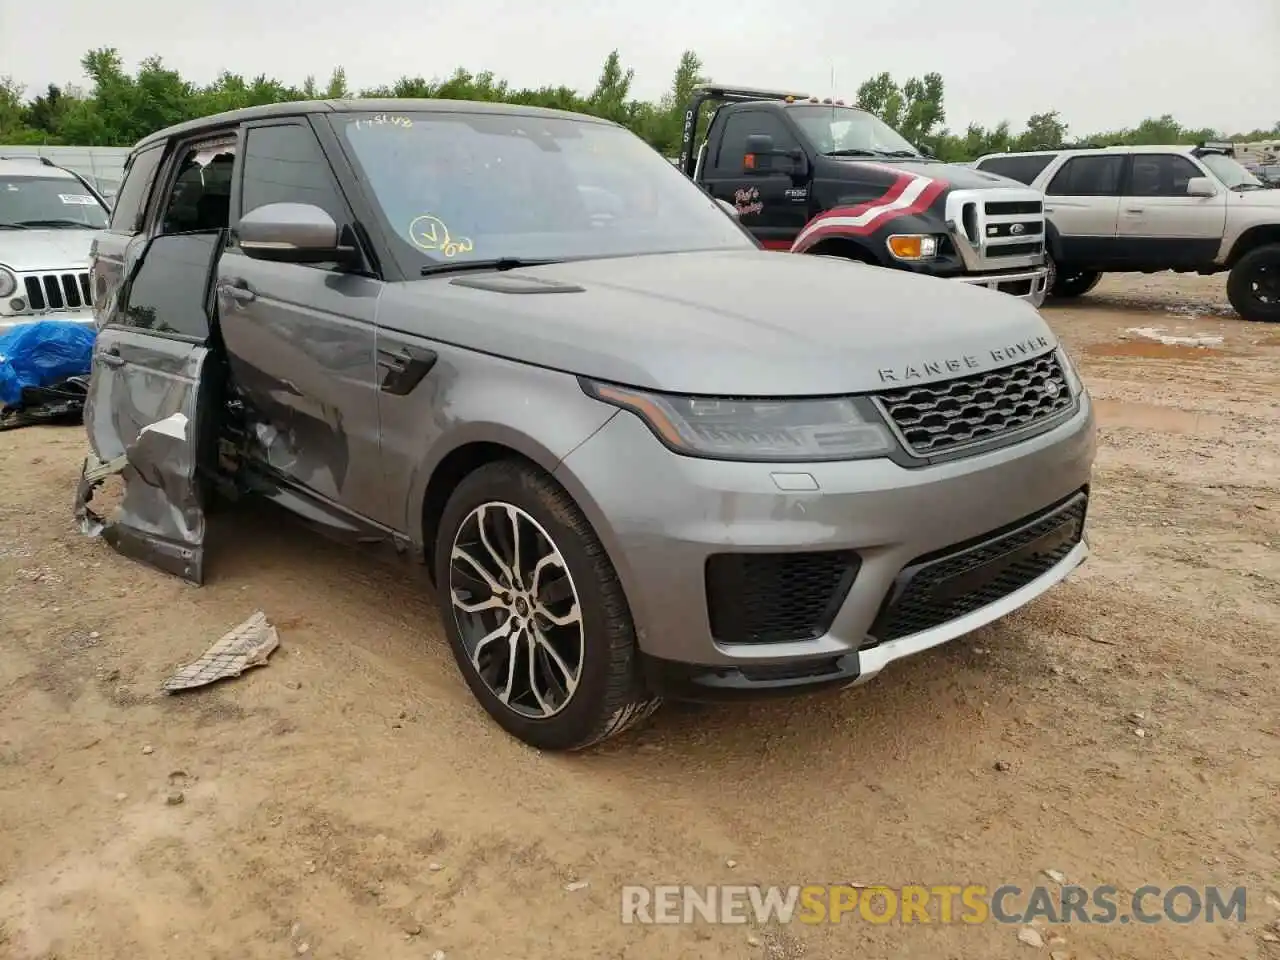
x=935 y=418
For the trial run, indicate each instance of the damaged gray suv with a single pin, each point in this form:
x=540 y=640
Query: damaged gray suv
x=639 y=456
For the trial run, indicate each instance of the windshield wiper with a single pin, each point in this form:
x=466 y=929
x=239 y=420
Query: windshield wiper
x=853 y=152
x=80 y=224
x=11 y=226
x=905 y=153
x=496 y=263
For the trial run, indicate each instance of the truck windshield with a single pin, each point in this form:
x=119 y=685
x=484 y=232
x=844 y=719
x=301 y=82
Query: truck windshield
x=1229 y=171
x=834 y=129
x=48 y=202
x=454 y=187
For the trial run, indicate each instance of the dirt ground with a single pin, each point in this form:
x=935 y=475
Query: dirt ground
x=350 y=800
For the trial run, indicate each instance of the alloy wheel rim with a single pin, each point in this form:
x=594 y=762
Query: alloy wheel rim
x=517 y=610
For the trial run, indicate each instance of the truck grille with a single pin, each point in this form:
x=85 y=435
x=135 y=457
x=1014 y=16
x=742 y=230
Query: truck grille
x=1009 y=233
x=934 y=418
x=1014 y=250
x=776 y=597
x=937 y=588
x=58 y=291
x=1010 y=208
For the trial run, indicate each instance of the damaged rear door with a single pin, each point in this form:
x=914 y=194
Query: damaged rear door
x=150 y=402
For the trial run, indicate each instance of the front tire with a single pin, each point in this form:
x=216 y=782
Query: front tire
x=1253 y=286
x=1066 y=283
x=536 y=618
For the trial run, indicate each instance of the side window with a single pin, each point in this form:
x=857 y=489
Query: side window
x=170 y=291
x=200 y=199
x=1161 y=175
x=131 y=202
x=739 y=126
x=1022 y=169
x=1094 y=176
x=285 y=164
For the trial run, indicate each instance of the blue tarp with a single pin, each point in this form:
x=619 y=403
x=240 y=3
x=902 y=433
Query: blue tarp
x=41 y=354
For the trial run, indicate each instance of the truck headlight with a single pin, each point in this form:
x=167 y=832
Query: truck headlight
x=732 y=428
x=8 y=282
x=913 y=246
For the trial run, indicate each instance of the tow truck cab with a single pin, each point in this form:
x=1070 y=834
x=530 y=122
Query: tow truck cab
x=811 y=176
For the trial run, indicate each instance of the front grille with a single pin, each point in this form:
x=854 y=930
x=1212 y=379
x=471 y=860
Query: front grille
x=934 y=418
x=1009 y=208
x=776 y=597
x=1014 y=249
x=58 y=291
x=938 y=588
x=1029 y=228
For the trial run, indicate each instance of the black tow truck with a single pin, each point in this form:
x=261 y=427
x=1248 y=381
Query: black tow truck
x=816 y=176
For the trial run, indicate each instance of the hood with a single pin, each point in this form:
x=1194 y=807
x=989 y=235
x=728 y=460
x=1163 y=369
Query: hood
x=28 y=250
x=1270 y=199
x=732 y=323
x=957 y=175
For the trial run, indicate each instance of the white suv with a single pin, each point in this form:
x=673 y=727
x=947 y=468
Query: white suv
x=49 y=217
x=1151 y=208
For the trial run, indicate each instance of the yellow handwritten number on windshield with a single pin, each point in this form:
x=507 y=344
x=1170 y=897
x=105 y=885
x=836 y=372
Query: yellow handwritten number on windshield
x=429 y=233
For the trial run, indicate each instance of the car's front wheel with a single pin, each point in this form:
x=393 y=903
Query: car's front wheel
x=1253 y=286
x=1064 y=282
x=535 y=615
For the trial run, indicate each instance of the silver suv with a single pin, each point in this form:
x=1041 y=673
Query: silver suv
x=1148 y=209
x=638 y=455
x=48 y=220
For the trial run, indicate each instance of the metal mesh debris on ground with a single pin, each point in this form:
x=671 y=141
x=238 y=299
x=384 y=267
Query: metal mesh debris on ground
x=248 y=645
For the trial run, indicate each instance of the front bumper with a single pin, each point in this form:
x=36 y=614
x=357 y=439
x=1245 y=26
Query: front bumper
x=1030 y=285
x=663 y=517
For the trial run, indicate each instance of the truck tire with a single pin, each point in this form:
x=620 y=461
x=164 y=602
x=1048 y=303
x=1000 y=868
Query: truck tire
x=536 y=618
x=1066 y=283
x=1253 y=286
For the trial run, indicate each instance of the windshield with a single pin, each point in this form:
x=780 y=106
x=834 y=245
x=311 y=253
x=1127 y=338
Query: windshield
x=1229 y=171
x=832 y=129
x=455 y=187
x=48 y=202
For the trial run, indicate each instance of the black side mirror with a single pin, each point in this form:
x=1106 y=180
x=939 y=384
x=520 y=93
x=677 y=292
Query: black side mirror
x=924 y=150
x=759 y=153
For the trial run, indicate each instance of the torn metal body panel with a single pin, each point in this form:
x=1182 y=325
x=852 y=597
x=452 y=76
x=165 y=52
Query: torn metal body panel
x=142 y=416
x=149 y=410
x=160 y=519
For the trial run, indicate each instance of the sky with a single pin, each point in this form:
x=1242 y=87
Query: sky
x=1102 y=64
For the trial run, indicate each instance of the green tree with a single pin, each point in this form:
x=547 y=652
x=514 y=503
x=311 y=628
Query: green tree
x=881 y=96
x=610 y=97
x=120 y=107
x=1045 y=131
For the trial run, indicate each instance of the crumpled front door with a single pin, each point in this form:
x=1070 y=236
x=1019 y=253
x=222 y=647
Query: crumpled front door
x=150 y=407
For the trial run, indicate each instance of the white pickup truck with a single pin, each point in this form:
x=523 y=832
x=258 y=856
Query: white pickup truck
x=1151 y=208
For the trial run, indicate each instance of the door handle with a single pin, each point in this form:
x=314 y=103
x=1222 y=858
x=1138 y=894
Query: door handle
x=404 y=367
x=238 y=290
x=1133 y=209
x=111 y=357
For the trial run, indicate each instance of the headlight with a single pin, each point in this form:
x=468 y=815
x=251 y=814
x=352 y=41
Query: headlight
x=802 y=430
x=913 y=246
x=8 y=282
x=1069 y=370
